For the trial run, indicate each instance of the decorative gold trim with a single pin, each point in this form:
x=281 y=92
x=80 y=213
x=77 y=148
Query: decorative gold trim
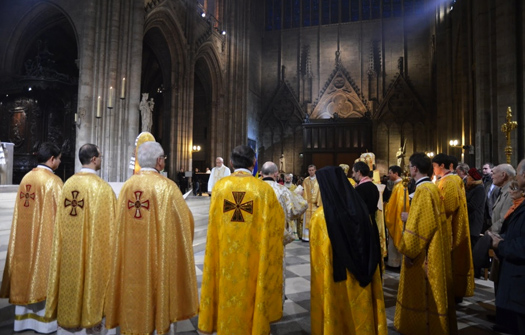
x=32 y=316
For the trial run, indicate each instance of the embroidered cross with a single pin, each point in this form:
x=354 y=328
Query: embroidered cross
x=74 y=203
x=137 y=204
x=238 y=206
x=27 y=195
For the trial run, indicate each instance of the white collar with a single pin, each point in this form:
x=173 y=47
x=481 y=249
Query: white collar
x=45 y=167
x=243 y=170
x=148 y=169
x=87 y=170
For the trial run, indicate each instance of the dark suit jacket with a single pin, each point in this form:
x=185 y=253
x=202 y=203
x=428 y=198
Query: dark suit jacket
x=511 y=252
x=370 y=195
x=476 y=204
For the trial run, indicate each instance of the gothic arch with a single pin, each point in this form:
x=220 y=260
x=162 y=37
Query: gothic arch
x=40 y=17
x=177 y=87
x=281 y=129
x=40 y=89
x=207 y=60
x=340 y=95
x=404 y=115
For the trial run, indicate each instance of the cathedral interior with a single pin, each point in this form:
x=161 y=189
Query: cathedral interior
x=316 y=81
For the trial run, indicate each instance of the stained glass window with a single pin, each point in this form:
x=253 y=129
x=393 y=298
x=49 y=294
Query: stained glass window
x=397 y=7
x=419 y=7
x=315 y=12
x=334 y=11
x=296 y=19
x=345 y=10
x=354 y=10
x=365 y=13
x=376 y=9
x=306 y=13
x=408 y=7
x=269 y=14
x=287 y=15
x=387 y=8
x=325 y=18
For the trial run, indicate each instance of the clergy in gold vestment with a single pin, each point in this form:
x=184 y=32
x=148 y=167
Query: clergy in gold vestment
x=29 y=251
x=425 y=299
x=346 y=287
x=452 y=190
x=153 y=282
x=398 y=202
x=82 y=248
x=313 y=196
x=242 y=275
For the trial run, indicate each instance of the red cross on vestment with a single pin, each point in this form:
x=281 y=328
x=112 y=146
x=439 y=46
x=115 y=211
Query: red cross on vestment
x=27 y=195
x=138 y=204
x=74 y=203
x=237 y=206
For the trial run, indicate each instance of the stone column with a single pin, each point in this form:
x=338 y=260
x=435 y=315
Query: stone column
x=111 y=49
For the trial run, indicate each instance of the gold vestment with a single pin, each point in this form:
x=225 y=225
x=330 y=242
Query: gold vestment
x=29 y=252
x=242 y=276
x=343 y=307
x=425 y=300
x=82 y=248
x=153 y=281
x=398 y=203
x=453 y=192
x=313 y=196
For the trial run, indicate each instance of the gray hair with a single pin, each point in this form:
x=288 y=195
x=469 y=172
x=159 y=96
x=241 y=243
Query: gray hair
x=463 y=167
x=269 y=169
x=222 y=160
x=148 y=153
x=508 y=169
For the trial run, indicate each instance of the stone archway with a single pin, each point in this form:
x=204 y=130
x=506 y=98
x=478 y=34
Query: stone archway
x=165 y=42
x=39 y=100
x=202 y=110
x=156 y=70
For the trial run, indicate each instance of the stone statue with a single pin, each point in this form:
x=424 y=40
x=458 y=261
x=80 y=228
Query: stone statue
x=400 y=155
x=282 y=164
x=146 y=112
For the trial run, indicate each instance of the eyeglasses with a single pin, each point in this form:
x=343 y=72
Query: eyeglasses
x=165 y=157
x=514 y=188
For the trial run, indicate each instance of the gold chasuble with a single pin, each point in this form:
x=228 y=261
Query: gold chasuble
x=82 y=248
x=425 y=299
x=29 y=252
x=341 y=307
x=313 y=196
x=243 y=265
x=393 y=209
x=453 y=192
x=153 y=281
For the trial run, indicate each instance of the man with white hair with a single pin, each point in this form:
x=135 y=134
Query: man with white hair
x=153 y=280
x=218 y=172
x=501 y=177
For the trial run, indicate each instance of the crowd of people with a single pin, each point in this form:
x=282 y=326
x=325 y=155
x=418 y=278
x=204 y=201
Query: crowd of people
x=82 y=261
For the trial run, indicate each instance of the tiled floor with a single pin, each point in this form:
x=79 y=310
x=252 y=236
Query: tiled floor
x=296 y=319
